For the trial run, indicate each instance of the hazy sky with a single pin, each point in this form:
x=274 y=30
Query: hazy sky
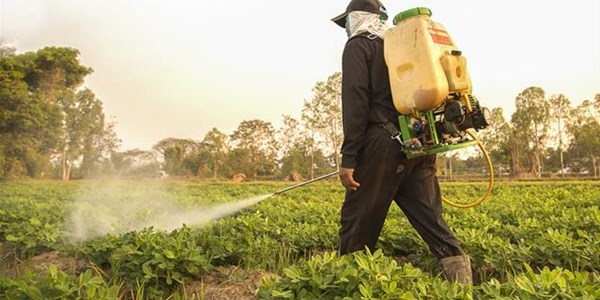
x=178 y=68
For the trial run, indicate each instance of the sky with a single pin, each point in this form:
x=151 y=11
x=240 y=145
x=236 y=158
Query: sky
x=179 y=68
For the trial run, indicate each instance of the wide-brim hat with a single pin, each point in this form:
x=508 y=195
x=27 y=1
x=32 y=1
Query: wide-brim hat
x=372 y=6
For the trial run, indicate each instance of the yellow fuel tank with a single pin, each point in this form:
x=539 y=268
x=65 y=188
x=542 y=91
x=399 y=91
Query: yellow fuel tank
x=423 y=61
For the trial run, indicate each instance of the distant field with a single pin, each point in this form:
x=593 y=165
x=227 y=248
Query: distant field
x=101 y=240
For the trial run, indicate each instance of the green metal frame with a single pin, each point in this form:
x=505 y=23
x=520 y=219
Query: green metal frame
x=431 y=120
x=408 y=133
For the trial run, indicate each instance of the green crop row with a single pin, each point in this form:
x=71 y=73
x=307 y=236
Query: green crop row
x=523 y=231
x=363 y=275
x=58 y=285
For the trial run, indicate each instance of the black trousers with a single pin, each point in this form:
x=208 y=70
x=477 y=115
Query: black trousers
x=385 y=174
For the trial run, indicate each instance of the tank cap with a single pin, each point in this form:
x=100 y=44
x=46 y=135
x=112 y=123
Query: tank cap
x=411 y=13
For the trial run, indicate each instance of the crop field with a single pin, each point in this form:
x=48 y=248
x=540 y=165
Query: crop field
x=122 y=240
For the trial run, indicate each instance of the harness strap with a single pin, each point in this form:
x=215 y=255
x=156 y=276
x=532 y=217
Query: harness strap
x=390 y=128
x=385 y=122
x=368 y=35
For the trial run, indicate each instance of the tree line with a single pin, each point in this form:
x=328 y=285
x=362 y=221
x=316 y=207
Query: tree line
x=49 y=125
x=546 y=136
x=52 y=127
x=300 y=149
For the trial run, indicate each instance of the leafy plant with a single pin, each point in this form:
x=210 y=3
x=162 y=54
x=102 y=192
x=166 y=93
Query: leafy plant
x=58 y=285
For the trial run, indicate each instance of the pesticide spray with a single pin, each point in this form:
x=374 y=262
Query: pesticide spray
x=116 y=208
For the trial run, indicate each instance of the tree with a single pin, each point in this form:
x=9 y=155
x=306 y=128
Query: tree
x=87 y=138
x=586 y=145
x=135 y=162
x=201 y=163
x=43 y=116
x=496 y=139
x=560 y=110
x=216 y=144
x=309 y=139
x=530 y=121
x=174 y=152
x=188 y=146
x=298 y=151
x=255 y=148
x=289 y=134
x=585 y=127
x=174 y=157
x=7 y=50
x=29 y=126
x=54 y=70
x=323 y=114
x=586 y=112
x=292 y=158
x=53 y=74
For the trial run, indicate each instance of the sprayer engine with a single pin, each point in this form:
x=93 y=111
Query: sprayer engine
x=445 y=128
x=458 y=117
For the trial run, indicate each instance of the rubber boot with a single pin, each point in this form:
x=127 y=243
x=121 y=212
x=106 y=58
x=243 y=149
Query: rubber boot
x=457 y=269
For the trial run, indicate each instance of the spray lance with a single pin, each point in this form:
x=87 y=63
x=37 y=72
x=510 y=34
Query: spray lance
x=306 y=182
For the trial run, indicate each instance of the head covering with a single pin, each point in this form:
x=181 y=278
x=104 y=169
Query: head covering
x=360 y=21
x=372 y=6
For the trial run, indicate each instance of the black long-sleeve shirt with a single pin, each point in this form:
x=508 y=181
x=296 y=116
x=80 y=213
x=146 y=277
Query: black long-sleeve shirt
x=365 y=89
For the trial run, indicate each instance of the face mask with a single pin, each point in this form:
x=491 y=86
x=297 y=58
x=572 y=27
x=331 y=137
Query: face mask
x=348 y=33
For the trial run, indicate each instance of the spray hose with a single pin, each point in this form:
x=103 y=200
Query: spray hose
x=490 y=182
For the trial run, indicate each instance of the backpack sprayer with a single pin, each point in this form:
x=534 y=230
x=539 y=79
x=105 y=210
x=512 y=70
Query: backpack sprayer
x=431 y=89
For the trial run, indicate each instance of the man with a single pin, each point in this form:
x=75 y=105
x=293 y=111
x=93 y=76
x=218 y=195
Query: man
x=374 y=168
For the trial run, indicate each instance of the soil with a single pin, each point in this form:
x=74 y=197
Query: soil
x=72 y=265
x=13 y=267
x=8 y=259
x=226 y=283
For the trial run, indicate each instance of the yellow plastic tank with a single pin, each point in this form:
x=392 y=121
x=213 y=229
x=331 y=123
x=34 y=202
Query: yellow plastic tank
x=423 y=61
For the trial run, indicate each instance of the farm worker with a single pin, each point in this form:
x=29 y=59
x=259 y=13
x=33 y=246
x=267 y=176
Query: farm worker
x=374 y=170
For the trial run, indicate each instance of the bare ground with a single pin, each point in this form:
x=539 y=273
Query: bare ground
x=226 y=283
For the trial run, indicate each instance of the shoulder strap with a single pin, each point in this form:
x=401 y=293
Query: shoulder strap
x=385 y=123
x=389 y=127
x=366 y=34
